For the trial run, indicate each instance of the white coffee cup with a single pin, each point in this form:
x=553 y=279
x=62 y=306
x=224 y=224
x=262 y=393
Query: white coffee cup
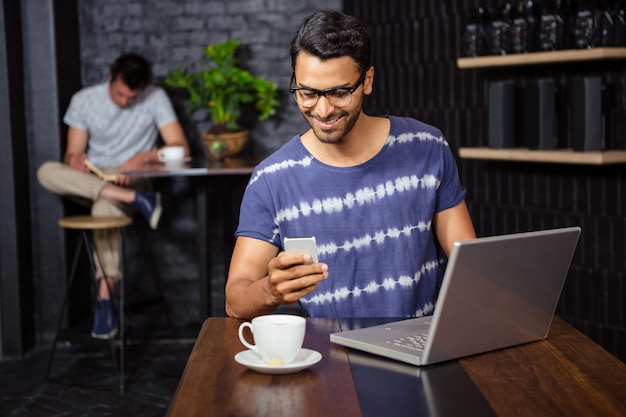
x=278 y=337
x=170 y=154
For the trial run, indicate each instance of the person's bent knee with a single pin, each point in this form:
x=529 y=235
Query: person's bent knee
x=104 y=207
x=46 y=171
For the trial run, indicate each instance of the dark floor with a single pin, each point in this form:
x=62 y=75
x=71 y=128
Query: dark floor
x=83 y=379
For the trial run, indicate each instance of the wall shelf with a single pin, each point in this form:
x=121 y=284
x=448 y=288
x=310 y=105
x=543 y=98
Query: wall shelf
x=534 y=58
x=558 y=156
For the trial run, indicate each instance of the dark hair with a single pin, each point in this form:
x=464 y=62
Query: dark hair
x=330 y=34
x=133 y=69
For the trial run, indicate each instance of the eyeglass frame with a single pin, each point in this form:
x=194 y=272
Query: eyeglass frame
x=322 y=93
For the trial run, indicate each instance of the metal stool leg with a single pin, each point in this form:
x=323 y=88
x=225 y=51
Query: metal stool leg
x=122 y=315
x=156 y=279
x=79 y=246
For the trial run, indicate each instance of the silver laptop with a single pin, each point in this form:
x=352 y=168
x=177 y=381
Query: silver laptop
x=496 y=292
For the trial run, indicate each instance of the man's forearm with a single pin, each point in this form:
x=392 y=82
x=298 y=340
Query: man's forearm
x=150 y=156
x=247 y=300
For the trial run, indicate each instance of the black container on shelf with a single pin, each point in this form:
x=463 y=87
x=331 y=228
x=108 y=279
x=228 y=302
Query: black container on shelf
x=587 y=121
x=605 y=28
x=539 y=114
x=497 y=31
x=474 y=35
x=550 y=28
x=585 y=26
x=522 y=27
x=501 y=114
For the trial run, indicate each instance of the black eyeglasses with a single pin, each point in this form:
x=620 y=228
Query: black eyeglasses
x=337 y=97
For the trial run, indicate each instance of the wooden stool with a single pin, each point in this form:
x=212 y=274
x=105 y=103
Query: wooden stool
x=86 y=223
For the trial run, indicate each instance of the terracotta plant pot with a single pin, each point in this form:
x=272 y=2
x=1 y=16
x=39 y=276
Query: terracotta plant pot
x=224 y=145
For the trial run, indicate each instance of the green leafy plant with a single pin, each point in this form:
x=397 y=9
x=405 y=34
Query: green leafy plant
x=223 y=87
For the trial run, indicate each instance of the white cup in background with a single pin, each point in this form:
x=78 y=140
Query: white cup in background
x=278 y=337
x=169 y=154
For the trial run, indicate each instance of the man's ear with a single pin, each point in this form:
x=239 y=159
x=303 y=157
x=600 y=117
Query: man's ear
x=368 y=83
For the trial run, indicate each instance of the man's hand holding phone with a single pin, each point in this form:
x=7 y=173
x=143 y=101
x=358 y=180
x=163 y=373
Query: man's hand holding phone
x=296 y=272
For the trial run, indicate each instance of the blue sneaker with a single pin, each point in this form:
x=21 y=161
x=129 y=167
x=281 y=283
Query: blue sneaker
x=149 y=205
x=104 y=322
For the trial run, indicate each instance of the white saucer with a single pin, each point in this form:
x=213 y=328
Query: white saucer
x=178 y=162
x=304 y=359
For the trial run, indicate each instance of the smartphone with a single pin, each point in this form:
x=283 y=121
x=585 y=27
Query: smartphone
x=302 y=245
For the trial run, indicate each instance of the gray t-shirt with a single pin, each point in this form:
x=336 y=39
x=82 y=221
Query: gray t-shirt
x=115 y=133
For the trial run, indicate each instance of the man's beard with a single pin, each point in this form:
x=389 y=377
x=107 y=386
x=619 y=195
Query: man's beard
x=336 y=134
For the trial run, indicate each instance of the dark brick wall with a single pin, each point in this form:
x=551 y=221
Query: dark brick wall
x=417 y=43
x=173 y=33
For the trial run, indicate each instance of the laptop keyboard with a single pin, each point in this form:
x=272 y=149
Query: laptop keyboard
x=413 y=342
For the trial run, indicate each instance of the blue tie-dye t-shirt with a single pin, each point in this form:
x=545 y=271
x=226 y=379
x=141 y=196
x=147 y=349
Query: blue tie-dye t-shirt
x=372 y=222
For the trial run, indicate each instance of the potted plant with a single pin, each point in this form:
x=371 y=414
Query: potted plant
x=224 y=89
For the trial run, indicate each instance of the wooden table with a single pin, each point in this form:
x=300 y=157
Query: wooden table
x=212 y=175
x=565 y=375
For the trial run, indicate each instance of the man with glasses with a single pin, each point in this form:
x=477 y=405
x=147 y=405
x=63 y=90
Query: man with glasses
x=381 y=195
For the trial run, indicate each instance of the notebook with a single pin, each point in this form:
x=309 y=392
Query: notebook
x=496 y=292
